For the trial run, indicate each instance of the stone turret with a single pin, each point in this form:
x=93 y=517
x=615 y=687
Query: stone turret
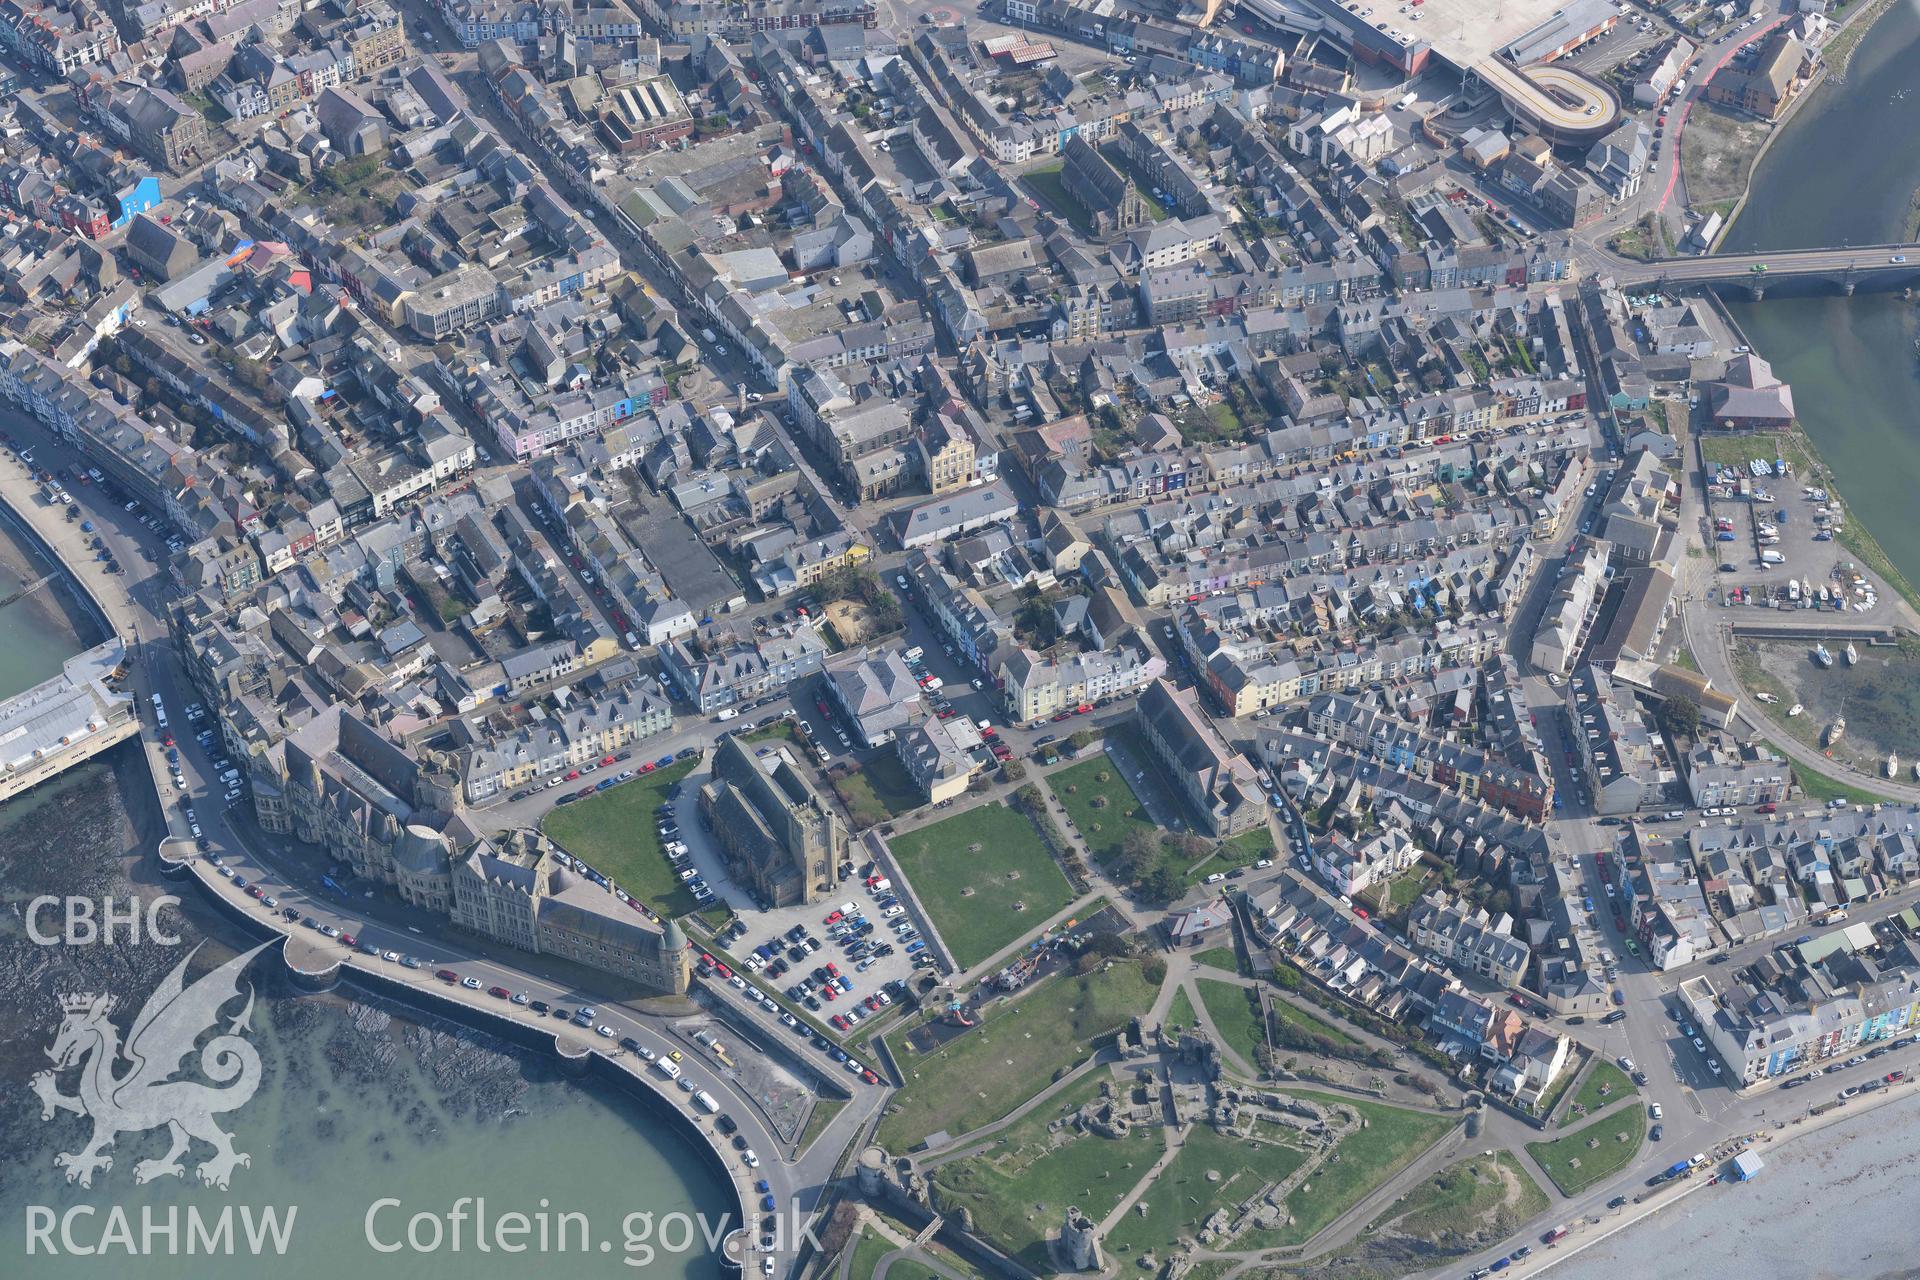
x=1080 y=1242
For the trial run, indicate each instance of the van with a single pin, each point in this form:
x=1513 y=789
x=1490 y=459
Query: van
x=705 y=1102
x=668 y=1068
x=726 y=713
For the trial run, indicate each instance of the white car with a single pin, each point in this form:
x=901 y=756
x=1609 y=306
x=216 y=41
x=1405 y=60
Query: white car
x=751 y=1160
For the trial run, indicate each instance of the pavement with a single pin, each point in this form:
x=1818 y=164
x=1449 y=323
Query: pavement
x=134 y=603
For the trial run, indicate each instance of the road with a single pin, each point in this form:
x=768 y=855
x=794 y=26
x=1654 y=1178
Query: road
x=135 y=603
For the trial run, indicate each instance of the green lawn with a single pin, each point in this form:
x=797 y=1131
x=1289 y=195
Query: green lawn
x=1046 y=184
x=1243 y=850
x=985 y=878
x=1220 y=958
x=868 y=1248
x=1079 y=786
x=1605 y=1085
x=992 y=1069
x=1574 y=1166
x=824 y=1110
x=780 y=731
x=1233 y=1013
x=880 y=789
x=1019 y=1189
x=1468 y=1197
x=1180 y=1012
x=1392 y=1139
x=1820 y=788
x=1182 y=1197
x=1233 y=1016
x=615 y=832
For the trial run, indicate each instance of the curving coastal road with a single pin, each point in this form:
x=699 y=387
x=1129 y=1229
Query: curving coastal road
x=134 y=605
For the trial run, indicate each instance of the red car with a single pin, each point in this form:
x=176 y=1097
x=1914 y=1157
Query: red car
x=447 y=975
x=833 y=918
x=1768 y=807
x=498 y=993
x=1064 y=715
x=583 y=793
x=839 y=1020
x=605 y=760
x=573 y=775
x=347 y=939
x=255 y=891
x=1361 y=912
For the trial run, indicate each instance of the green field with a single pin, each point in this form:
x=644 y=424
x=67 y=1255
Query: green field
x=1238 y=1021
x=1219 y=958
x=1618 y=1136
x=1182 y=1197
x=1243 y=850
x=615 y=833
x=984 y=877
x=1394 y=1138
x=1019 y=1189
x=1180 y=1011
x=996 y=1067
x=1233 y=1017
x=868 y=1248
x=1079 y=786
x=880 y=789
x=1468 y=1197
x=1605 y=1085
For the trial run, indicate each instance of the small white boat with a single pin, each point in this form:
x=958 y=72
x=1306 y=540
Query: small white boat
x=1837 y=730
x=1893 y=765
x=1853 y=654
x=1822 y=655
x=1795 y=709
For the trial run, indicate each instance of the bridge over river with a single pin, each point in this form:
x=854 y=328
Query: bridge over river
x=1872 y=267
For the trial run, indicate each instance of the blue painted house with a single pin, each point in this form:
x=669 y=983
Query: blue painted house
x=138 y=198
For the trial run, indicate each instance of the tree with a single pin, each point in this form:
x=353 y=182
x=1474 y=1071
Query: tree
x=1162 y=884
x=1680 y=717
x=1082 y=739
x=1139 y=850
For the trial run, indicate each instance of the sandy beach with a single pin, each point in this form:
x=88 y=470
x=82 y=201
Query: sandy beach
x=1837 y=1205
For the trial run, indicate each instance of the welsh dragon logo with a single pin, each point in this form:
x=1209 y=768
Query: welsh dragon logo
x=146 y=1095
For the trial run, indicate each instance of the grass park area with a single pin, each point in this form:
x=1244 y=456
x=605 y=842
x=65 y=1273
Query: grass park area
x=1234 y=1016
x=1212 y=1171
x=1605 y=1085
x=1392 y=1139
x=878 y=790
x=868 y=1248
x=1180 y=1012
x=1595 y=1151
x=1237 y=1018
x=1457 y=1209
x=1019 y=1188
x=982 y=1075
x=1103 y=807
x=1219 y=958
x=985 y=878
x=615 y=833
x=1046 y=184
